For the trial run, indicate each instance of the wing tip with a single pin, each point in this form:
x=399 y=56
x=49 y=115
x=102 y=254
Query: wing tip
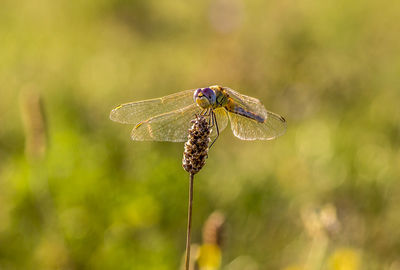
x=112 y=116
x=116 y=116
x=134 y=135
x=114 y=112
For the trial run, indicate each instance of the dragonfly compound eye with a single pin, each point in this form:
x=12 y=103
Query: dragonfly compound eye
x=209 y=94
x=196 y=94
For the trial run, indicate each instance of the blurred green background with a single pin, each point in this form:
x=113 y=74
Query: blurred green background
x=77 y=193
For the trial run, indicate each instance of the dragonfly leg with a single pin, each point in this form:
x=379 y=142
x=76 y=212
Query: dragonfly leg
x=208 y=113
x=211 y=122
x=214 y=122
x=210 y=118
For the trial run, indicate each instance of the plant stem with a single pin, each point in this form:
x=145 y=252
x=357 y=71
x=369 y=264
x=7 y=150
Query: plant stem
x=189 y=224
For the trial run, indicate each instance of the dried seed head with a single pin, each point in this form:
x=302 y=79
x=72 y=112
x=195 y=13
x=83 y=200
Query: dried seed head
x=196 y=147
x=34 y=120
x=213 y=229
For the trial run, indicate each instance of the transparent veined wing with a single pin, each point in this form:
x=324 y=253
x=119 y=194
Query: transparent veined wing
x=245 y=128
x=134 y=112
x=248 y=129
x=173 y=126
x=249 y=103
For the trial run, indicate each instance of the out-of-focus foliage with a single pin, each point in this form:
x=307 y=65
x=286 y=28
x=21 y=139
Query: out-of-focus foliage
x=76 y=193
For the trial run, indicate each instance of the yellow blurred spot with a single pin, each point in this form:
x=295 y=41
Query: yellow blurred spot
x=209 y=257
x=345 y=259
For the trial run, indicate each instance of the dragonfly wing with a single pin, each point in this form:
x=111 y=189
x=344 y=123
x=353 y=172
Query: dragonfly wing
x=248 y=103
x=222 y=121
x=134 y=112
x=171 y=126
x=248 y=129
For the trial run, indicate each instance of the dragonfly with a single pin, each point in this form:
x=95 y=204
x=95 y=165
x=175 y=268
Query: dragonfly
x=169 y=118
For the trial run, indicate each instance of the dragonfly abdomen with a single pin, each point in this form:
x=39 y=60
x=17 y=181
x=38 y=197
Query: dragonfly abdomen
x=234 y=108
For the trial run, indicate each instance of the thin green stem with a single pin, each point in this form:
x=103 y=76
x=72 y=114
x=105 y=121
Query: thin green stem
x=189 y=224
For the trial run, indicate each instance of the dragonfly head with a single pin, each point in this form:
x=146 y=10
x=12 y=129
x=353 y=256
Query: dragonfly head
x=205 y=97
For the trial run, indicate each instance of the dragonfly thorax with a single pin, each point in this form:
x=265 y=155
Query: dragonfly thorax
x=205 y=97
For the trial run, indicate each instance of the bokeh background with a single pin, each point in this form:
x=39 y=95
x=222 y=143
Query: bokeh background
x=77 y=193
